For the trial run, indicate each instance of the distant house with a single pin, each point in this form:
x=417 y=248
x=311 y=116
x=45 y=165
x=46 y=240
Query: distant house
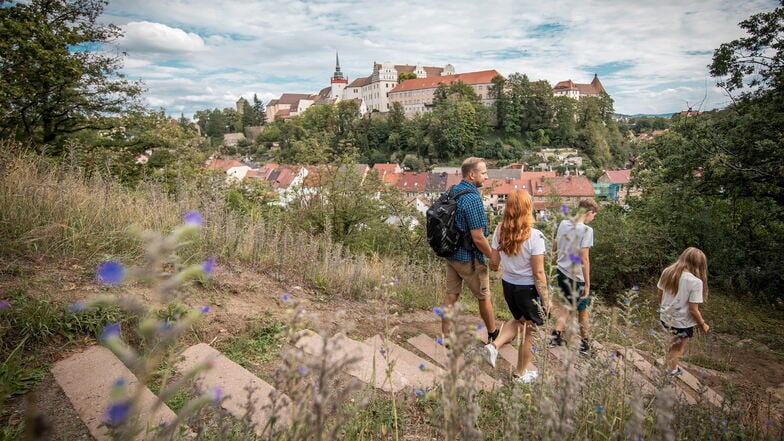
x=412 y=183
x=232 y=139
x=222 y=164
x=616 y=185
x=577 y=91
x=416 y=95
x=288 y=105
x=569 y=190
x=388 y=173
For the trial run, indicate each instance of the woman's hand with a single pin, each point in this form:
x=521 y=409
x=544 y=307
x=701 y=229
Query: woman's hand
x=705 y=327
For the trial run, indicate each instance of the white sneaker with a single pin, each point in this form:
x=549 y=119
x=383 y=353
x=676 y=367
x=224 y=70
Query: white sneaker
x=492 y=354
x=527 y=377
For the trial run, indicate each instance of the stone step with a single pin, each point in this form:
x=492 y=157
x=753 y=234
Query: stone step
x=430 y=347
x=419 y=372
x=507 y=351
x=233 y=380
x=692 y=381
x=369 y=366
x=615 y=359
x=87 y=379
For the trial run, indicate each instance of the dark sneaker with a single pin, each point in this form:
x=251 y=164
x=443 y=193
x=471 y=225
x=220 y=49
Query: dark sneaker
x=556 y=339
x=492 y=336
x=585 y=347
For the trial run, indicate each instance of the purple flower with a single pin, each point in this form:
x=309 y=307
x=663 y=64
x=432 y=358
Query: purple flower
x=302 y=370
x=440 y=340
x=636 y=288
x=4 y=304
x=770 y=422
x=110 y=332
x=209 y=265
x=422 y=366
x=165 y=325
x=575 y=258
x=419 y=392
x=534 y=348
x=77 y=307
x=395 y=280
x=117 y=413
x=383 y=352
x=217 y=395
x=599 y=409
x=479 y=327
x=564 y=209
x=110 y=273
x=193 y=218
x=120 y=382
x=438 y=311
x=204 y=309
x=285 y=297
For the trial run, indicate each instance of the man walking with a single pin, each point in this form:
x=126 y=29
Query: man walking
x=468 y=264
x=573 y=243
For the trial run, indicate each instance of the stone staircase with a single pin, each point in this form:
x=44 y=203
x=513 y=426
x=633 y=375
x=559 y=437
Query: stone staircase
x=87 y=377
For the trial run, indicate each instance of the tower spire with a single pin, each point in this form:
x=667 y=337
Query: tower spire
x=338 y=75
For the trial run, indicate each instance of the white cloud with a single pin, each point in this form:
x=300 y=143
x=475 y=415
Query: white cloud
x=144 y=36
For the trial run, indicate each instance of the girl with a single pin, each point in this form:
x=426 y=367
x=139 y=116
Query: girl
x=682 y=287
x=521 y=249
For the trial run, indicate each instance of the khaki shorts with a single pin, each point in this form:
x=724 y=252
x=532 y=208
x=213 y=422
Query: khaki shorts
x=477 y=278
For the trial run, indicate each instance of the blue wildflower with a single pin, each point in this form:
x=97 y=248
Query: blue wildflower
x=479 y=327
x=395 y=280
x=165 y=325
x=770 y=422
x=575 y=258
x=534 y=348
x=110 y=332
x=217 y=395
x=285 y=297
x=110 y=273
x=120 y=382
x=4 y=304
x=209 y=265
x=636 y=288
x=438 y=311
x=422 y=366
x=193 y=218
x=440 y=340
x=383 y=352
x=302 y=370
x=599 y=409
x=117 y=413
x=564 y=209
x=76 y=307
x=204 y=309
x=419 y=392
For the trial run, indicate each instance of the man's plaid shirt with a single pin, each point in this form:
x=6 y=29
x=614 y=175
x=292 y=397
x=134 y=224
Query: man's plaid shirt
x=470 y=215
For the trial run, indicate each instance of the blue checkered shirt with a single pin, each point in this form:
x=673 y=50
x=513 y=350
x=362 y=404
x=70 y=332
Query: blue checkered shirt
x=470 y=215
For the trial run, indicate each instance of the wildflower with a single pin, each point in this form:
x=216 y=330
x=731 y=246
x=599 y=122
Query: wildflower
x=110 y=273
x=599 y=409
x=769 y=422
x=574 y=258
x=165 y=325
x=285 y=297
x=534 y=348
x=636 y=288
x=204 y=309
x=120 y=382
x=383 y=352
x=110 y=332
x=302 y=370
x=626 y=301
x=564 y=209
x=438 y=311
x=75 y=307
x=395 y=280
x=4 y=304
x=118 y=412
x=419 y=392
x=217 y=395
x=479 y=327
x=209 y=265
x=193 y=218
x=440 y=340
x=422 y=366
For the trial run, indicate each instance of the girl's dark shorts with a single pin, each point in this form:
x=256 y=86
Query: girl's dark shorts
x=680 y=332
x=522 y=301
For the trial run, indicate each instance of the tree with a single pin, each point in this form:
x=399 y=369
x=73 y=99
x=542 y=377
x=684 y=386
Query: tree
x=403 y=76
x=52 y=82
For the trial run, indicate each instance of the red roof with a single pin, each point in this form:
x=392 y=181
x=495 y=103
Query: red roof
x=618 y=176
x=412 y=181
x=223 y=164
x=481 y=77
x=574 y=186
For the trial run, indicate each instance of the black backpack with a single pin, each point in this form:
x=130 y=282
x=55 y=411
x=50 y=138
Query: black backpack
x=442 y=234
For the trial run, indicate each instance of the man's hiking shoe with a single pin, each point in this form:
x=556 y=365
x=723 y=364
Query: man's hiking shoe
x=675 y=372
x=491 y=336
x=527 y=377
x=556 y=339
x=491 y=354
x=585 y=347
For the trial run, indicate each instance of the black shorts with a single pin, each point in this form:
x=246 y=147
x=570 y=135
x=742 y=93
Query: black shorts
x=680 y=332
x=522 y=301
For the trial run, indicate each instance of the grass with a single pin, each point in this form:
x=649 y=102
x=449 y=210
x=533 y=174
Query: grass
x=259 y=344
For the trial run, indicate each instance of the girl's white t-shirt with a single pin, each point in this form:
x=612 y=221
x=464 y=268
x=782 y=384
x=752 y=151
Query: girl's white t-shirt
x=517 y=269
x=674 y=310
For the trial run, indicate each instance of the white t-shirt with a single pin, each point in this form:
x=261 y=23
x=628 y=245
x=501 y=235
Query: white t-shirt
x=675 y=306
x=517 y=269
x=571 y=238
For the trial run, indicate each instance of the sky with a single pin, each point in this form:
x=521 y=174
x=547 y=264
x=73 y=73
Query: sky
x=651 y=56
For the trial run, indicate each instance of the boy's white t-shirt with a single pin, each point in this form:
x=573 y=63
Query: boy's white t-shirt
x=675 y=306
x=571 y=238
x=517 y=269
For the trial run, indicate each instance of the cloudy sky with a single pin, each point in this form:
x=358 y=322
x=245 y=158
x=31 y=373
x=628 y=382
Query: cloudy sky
x=650 y=55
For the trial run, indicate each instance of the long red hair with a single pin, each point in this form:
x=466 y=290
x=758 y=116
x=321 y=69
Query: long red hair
x=515 y=227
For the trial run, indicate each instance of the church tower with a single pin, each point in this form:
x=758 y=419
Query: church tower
x=338 y=81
